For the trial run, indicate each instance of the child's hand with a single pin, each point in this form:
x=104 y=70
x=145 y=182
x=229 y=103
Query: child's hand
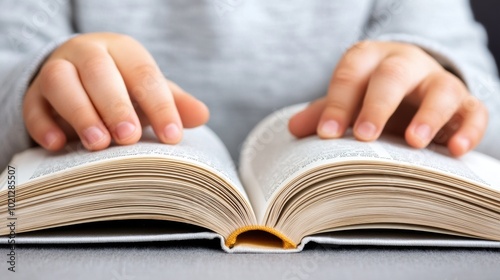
x=398 y=87
x=90 y=85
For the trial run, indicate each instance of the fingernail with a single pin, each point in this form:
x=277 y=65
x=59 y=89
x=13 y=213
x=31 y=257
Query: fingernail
x=50 y=139
x=93 y=135
x=172 y=132
x=124 y=130
x=329 y=129
x=366 y=130
x=423 y=132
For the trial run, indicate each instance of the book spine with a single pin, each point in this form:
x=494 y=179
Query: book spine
x=231 y=240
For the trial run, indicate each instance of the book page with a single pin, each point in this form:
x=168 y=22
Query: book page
x=199 y=146
x=272 y=157
x=485 y=167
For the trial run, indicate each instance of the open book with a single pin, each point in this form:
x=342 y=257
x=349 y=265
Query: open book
x=288 y=191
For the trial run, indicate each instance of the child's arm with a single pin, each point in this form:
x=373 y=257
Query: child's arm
x=401 y=73
x=29 y=30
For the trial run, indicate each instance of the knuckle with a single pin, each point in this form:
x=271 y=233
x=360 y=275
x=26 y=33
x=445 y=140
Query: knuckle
x=335 y=106
x=161 y=109
x=149 y=79
x=143 y=71
x=51 y=73
x=95 y=65
x=148 y=75
x=117 y=112
x=346 y=76
x=394 y=69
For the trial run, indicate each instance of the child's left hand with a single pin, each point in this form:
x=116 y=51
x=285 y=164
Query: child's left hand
x=397 y=87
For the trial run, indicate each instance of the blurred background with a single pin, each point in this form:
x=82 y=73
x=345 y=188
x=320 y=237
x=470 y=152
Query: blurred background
x=487 y=12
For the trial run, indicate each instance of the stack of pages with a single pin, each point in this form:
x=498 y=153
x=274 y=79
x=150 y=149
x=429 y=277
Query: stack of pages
x=288 y=192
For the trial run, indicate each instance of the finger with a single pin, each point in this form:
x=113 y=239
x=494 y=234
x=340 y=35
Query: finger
x=444 y=94
x=192 y=112
x=470 y=133
x=60 y=85
x=40 y=124
x=391 y=81
x=148 y=87
x=304 y=122
x=347 y=88
x=107 y=91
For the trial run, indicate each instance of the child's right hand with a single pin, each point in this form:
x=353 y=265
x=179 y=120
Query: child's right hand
x=89 y=85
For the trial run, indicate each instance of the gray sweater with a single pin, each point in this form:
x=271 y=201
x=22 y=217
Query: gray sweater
x=243 y=58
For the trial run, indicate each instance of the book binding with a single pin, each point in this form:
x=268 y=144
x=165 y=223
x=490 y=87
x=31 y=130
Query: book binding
x=231 y=240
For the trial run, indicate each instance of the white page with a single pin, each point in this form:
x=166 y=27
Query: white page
x=272 y=157
x=485 y=167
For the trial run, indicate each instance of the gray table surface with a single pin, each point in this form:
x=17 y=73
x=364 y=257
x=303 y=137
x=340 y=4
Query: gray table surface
x=205 y=260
